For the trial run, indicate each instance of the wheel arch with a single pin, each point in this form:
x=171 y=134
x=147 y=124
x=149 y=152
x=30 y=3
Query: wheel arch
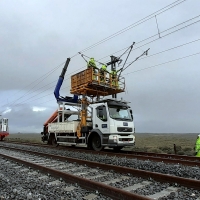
x=51 y=136
x=93 y=132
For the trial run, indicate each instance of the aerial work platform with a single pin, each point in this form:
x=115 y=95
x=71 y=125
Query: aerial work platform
x=93 y=82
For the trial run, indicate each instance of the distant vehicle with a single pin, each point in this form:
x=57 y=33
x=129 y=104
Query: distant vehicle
x=4 y=131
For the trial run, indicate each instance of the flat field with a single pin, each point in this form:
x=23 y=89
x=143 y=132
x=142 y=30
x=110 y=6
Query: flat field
x=25 y=137
x=164 y=143
x=148 y=142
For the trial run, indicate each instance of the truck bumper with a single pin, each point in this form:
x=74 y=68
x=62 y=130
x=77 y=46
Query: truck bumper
x=119 y=140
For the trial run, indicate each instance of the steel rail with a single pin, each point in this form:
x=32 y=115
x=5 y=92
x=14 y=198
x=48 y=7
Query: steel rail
x=191 y=158
x=189 y=183
x=166 y=158
x=107 y=190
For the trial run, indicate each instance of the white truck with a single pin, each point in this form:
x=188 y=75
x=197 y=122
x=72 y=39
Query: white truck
x=110 y=125
x=105 y=122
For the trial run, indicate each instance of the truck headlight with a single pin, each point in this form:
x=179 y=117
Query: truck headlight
x=115 y=138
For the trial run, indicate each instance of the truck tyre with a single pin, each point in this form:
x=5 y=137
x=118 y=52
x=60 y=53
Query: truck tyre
x=49 y=142
x=96 y=143
x=89 y=146
x=54 y=142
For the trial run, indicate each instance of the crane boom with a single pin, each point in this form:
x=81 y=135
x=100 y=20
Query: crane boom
x=73 y=99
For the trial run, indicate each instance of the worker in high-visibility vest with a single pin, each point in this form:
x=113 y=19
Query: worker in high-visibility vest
x=114 y=78
x=103 y=71
x=92 y=64
x=197 y=146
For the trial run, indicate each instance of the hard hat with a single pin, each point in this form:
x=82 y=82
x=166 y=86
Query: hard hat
x=199 y=135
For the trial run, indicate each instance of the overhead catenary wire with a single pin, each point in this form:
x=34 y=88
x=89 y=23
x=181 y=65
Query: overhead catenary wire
x=163 y=63
x=158 y=12
x=145 y=57
x=131 y=48
x=165 y=35
x=28 y=92
x=144 y=53
x=157 y=26
x=142 y=58
x=43 y=77
x=123 y=67
x=119 y=58
x=157 y=35
x=128 y=73
x=146 y=68
x=148 y=17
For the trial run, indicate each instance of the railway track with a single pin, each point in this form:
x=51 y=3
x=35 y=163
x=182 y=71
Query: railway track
x=166 y=158
x=30 y=183
x=112 y=181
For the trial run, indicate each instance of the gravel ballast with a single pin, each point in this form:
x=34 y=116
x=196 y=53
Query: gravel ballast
x=178 y=170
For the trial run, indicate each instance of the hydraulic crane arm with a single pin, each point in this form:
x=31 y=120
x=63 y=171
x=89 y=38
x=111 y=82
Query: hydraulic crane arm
x=73 y=99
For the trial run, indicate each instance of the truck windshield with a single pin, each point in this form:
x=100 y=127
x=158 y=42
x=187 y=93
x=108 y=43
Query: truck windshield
x=120 y=113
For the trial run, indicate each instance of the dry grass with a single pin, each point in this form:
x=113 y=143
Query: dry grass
x=164 y=143
x=25 y=137
x=149 y=142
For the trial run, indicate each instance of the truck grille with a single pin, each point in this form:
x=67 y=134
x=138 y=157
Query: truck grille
x=124 y=129
x=125 y=139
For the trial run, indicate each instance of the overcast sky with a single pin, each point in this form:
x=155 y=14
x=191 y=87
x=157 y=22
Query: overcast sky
x=37 y=36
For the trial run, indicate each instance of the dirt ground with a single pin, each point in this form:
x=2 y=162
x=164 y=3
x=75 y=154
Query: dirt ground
x=148 y=142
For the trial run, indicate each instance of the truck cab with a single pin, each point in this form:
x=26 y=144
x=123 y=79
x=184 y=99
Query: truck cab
x=112 y=122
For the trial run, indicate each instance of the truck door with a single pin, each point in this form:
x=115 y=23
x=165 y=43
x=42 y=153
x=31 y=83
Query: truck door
x=100 y=119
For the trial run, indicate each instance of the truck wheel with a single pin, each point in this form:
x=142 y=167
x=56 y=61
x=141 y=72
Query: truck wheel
x=54 y=141
x=117 y=149
x=49 y=142
x=96 y=143
x=89 y=146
